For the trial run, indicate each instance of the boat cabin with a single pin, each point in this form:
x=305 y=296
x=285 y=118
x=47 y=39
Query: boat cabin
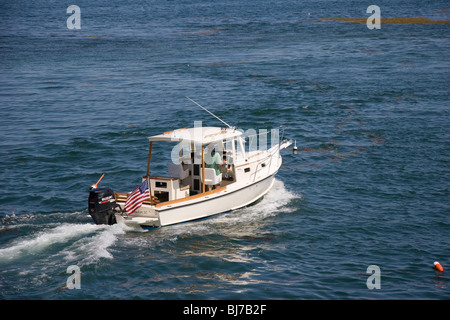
x=190 y=171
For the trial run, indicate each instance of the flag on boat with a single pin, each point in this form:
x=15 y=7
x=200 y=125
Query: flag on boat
x=137 y=197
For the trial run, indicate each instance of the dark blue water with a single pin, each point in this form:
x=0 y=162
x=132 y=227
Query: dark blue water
x=369 y=110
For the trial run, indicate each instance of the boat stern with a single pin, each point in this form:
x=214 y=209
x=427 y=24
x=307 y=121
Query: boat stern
x=146 y=216
x=138 y=221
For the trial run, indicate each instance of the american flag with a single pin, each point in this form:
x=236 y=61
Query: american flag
x=139 y=195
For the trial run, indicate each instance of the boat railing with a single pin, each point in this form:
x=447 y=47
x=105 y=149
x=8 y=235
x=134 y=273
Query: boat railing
x=122 y=197
x=263 y=140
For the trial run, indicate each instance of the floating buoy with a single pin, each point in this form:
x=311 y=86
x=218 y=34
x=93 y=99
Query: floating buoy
x=438 y=266
x=295 y=146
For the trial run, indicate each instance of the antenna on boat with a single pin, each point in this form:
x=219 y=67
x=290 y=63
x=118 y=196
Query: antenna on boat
x=210 y=113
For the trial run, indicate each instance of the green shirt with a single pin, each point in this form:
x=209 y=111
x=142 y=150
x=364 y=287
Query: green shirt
x=213 y=161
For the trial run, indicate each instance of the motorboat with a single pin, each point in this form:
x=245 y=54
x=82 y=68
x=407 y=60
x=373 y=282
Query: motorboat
x=194 y=186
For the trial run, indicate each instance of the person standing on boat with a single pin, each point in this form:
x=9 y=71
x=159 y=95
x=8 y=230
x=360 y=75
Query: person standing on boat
x=213 y=160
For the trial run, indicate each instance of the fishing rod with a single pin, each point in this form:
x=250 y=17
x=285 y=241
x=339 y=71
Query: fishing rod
x=198 y=104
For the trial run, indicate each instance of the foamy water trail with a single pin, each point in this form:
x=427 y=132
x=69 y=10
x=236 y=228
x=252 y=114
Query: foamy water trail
x=42 y=240
x=90 y=249
x=86 y=242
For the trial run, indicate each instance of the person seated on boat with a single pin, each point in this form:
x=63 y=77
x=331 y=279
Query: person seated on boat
x=214 y=160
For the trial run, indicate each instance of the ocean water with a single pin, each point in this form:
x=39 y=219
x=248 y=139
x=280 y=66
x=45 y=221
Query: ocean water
x=368 y=109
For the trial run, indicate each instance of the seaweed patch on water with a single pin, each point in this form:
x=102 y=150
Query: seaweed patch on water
x=375 y=137
x=205 y=32
x=330 y=152
x=398 y=20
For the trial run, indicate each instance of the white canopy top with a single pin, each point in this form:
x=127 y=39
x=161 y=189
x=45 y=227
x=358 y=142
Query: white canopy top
x=198 y=135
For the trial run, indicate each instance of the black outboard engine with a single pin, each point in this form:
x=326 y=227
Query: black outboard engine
x=102 y=205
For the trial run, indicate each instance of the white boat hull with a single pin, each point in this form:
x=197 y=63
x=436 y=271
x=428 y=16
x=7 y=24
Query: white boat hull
x=208 y=205
x=220 y=202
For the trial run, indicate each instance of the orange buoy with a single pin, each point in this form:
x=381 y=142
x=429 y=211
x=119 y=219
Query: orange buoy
x=438 y=266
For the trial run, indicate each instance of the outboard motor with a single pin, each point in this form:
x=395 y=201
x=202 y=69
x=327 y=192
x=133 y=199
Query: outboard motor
x=102 y=205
